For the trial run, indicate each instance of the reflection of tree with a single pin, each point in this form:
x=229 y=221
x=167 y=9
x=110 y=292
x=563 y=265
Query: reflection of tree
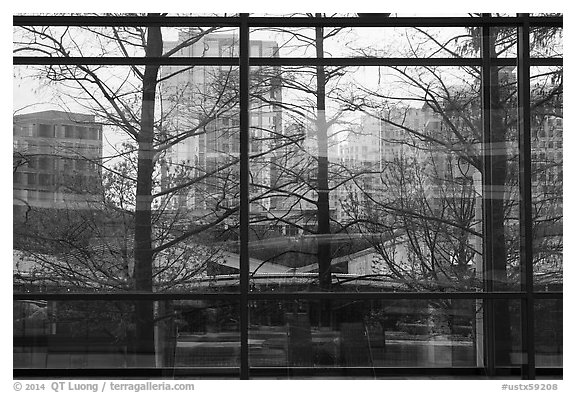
x=303 y=173
x=142 y=243
x=430 y=205
x=426 y=200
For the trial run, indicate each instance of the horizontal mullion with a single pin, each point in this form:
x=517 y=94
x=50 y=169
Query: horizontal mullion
x=128 y=61
x=128 y=372
x=397 y=61
x=277 y=372
x=255 y=61
x=127 y=296
x=364 y=61
x=369 y=21
x=546 y=21
x=548 y=295
x=151 y=296
x=384 y=295
x=377 y=21
x=545 y=61
x=131 y=21
x=279 y=61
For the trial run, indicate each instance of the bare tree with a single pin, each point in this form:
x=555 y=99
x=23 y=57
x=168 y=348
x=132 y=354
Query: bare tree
x=155 y=252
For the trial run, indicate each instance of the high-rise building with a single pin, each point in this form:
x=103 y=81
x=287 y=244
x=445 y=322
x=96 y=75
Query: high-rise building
x=202 y=112
x=378 y=148
x=57 y=160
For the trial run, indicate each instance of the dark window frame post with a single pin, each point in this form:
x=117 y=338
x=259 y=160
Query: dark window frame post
x=244 y=193
x=525 y=184
x=487 y=268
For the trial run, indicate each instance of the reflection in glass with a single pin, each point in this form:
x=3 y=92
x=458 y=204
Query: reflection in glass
x=379 y=179
x=549 y=336
x=547 y=175
x=373 y=333
x=404 y=180
x=419 y=42
x=124 y=41
x=98 y=334
x=75 y=176
x=546 y=42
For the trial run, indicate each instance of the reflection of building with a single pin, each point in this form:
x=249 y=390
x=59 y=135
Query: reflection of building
x=547 y=159
x=547 y=194
x=57 y=159
x=201 y=105
x=379 y=151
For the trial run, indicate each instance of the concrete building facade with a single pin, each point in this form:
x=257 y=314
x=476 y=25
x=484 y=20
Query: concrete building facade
x=204 y=111
x=57 y=160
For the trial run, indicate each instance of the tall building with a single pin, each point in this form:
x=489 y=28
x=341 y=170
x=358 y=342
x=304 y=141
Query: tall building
x=547 y=192
x=202 y=108
x=57 y=160
x=376 y=151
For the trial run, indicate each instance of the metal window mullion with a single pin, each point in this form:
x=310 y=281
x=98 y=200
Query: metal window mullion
x=126 y=61
x=361 y=296
x=487 y=241
x=120 y=20
x=244 y=193
x=379 y=21
x=369 y=61
x=126 y=296
x=395 y=61
x=208 y=21
x=278 y=61
x=525 y=186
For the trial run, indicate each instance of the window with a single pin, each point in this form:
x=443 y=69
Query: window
x=45 y=179
x=31 y=178
x=45 y=163
x=46 y=130
x=18 y=178
x=298 y=254
x=69 y=131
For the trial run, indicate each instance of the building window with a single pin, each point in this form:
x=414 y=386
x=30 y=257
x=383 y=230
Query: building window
x=69 y=131
x=46 y=130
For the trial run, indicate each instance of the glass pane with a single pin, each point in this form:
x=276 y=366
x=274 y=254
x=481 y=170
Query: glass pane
x=503 y=41
x=501 y=184
x=101 y=334
x=361 y=179
x=369 y=42
x=396 y=155
x=123 y=41
x=546 y=42
x=503 y=318
x=549 y=338
x=547 y=175
x=376 y=333
x=76 y=164
x=201 y=41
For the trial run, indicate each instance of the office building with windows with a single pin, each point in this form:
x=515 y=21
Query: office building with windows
x=57 y=160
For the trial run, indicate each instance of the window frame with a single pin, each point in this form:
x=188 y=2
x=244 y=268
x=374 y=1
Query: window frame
x=523 y=22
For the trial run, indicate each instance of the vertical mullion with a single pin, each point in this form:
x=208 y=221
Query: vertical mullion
x=487 y=241
x=525 y=185
x=244 y=193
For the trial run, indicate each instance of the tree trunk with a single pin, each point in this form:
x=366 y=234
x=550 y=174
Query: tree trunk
x=494 y=227
x=499 y=171
x=323 y=204
x=143 y=255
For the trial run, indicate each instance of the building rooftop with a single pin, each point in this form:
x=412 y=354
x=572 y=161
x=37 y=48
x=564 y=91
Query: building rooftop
x=54 y=115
